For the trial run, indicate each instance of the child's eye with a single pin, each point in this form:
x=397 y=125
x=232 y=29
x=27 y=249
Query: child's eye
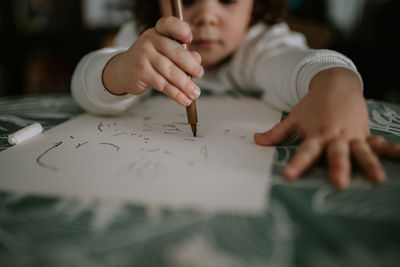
x=188 y=2
x=227 y=2
x=191 y=2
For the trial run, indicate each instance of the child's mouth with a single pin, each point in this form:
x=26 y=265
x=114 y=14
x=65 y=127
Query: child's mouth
x=204 y=43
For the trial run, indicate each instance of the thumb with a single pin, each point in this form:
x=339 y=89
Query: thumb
x=275 y=136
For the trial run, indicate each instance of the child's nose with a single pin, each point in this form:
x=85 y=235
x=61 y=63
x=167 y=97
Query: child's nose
x=206 y=13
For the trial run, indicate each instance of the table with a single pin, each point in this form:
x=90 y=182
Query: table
x=308 y=223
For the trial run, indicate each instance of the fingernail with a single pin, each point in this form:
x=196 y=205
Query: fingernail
x=380 y=176
x=196 y=92
x=187 y=101
x=343 y=182
x=201 y=73
x=189 y=40
x=290 y=173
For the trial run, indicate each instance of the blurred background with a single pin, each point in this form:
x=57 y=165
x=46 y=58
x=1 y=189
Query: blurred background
x=43 y=40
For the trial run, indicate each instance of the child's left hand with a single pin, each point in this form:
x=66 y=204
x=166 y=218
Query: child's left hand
x=333 y=119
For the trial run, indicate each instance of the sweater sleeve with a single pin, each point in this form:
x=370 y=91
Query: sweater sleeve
x=279 y=63
x=87 y=87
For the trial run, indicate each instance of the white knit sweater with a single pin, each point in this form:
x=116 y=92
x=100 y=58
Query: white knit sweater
x=273 y=60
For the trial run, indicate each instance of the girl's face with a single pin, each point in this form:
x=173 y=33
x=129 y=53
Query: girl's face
x=218 y=26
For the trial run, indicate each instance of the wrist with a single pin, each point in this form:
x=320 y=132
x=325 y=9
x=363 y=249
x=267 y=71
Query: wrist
x=337 y=79
x=109 y=77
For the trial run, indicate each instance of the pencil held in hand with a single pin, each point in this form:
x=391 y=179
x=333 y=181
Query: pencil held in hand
x=191 y=110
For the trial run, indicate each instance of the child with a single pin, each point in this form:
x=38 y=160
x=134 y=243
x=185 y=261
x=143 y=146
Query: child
x=240 y=44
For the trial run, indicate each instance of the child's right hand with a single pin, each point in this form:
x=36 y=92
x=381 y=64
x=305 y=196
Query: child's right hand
x=157 y=60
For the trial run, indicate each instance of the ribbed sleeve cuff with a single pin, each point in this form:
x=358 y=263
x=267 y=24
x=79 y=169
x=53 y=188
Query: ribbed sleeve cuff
x=101 y=100
x=318 y=61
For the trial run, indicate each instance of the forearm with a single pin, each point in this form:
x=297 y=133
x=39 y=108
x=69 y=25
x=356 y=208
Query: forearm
x=87 y=87
x=287 y=77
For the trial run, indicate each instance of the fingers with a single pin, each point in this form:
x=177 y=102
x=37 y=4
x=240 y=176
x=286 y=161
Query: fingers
x=175 y=76
x=174 y=28
x=161 y=84
x=275 y=136
x=179 y=56
x=367 y=160
x=307 y=154
x=338 y=157
x=383 y=148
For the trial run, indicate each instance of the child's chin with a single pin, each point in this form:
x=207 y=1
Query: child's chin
x=210 y=60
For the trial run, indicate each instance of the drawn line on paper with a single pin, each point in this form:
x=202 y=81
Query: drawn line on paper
x=39 y=158
x=147 y=125
x=143 y=167
x=187 y=139
x=169 y=126
x=121 y=133
x=79 y=144
x=204 y=151
x=169 y=133
x=110 y=144
x=100 y=127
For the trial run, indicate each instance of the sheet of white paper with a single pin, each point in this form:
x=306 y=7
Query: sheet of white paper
x=149 y=156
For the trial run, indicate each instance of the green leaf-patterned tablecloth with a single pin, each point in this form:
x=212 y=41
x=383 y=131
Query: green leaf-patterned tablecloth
x=308 y=223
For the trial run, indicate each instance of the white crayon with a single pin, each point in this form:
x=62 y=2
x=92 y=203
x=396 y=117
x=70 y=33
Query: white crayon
x=25 y=133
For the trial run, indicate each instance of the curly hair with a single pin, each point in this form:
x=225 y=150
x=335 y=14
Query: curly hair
x=147 y=13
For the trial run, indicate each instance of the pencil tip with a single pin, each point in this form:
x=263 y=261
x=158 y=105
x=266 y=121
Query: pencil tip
x=194 y=129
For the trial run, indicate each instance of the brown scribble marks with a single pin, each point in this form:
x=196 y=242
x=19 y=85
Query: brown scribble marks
x=110 y=144
x=227 y=131
x=147 y=125
x=79 y=144
x=146 y=138
x=204 y=151
x=147 y=118
x=43 y=165
x=100 y=126
x=121 y=133
x=169 y=126
x=243 y=137
x=71 y=137
x=133 y=134
x=187 y=139
x=148 y=130
x=169 y=133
